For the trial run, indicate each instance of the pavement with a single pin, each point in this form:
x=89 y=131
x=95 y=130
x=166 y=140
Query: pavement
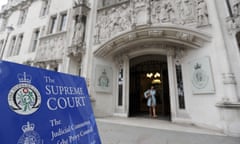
x=116 y=130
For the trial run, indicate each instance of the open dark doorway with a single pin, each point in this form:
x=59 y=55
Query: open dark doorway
x=145 y=71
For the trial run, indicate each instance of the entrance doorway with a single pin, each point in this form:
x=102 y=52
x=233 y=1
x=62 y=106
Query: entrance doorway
x=146 y=71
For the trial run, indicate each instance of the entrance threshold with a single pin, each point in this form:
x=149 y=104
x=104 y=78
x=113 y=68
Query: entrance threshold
x=158 y=124
x=146 y=116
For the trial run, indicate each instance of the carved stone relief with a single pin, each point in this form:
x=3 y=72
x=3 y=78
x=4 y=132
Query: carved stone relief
x=79 y=30
x=51 y=47
x=114 y=20
x=140 y=12
x=162 y=12
x=202 y=13
x=184 y=36
x=234 y=22
x=236 y=7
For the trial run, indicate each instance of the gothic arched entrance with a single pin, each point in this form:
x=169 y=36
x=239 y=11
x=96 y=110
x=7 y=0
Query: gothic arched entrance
x=145 y=71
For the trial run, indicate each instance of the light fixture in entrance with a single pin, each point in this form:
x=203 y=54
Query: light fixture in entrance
x=156 y=81
x=155 y=77
x=149 y=75
x=157 y=74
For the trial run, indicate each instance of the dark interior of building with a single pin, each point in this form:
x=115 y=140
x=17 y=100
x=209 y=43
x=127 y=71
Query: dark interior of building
x=146 y=71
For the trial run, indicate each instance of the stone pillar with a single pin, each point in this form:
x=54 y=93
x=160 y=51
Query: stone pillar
x=172 y=94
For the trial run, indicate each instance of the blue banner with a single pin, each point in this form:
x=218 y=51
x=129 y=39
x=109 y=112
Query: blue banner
x=38 y=106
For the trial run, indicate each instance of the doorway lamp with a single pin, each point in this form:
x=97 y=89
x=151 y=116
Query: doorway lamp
x=156 y=77
x=150 y=75
x=9 y=30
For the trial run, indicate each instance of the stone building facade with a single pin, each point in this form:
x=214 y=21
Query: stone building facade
x=187 y=49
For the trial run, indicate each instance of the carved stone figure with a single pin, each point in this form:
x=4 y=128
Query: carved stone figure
x=166 y=12
x=77 y=2
x=140 y=12
x=236 y=7
x=202 y=13
x=185 y=10
x=78 y=31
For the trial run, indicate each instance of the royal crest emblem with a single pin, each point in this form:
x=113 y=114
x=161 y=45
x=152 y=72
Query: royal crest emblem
x=24 y=98
x=29 y=136
x=199 y=78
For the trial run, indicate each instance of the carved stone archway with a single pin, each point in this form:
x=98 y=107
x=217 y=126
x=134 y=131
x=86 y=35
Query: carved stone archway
x=181 y=37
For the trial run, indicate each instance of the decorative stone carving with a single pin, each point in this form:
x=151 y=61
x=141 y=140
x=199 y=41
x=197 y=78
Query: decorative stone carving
x=184 y=36
x=79 y=14
x=140 y=12
x=76 y=51
x=112 y=21
x=178 y=36
x=51 y=47
x=162 y=12
x=236 y=8
x=77 y=2
x=119 y=61
x=14 y=4
x=186 y=10
x=79 y=30
x=155 y=33
x=234 y=22
x=202 y=13
x=132 y=36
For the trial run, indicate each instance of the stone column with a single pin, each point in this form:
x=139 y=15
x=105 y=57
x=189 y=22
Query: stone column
x=172 y=93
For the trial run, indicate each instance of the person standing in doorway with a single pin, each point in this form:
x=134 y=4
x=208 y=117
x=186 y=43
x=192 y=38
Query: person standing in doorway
x=150 y=95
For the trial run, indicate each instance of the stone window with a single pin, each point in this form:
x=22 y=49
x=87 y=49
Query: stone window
x=12 y=45
x=18 y=45
x=120 y=87
x=180 y=90
x=22 y=17
x=45 y=7
x=53 y=23
x=35 y=39
x=63 y=21
x=1 y=45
